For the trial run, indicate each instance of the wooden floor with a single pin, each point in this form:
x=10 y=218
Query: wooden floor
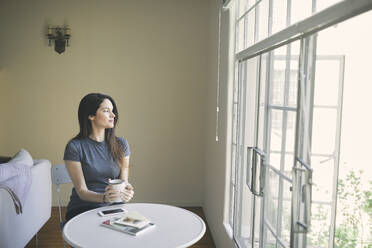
x=50 y=235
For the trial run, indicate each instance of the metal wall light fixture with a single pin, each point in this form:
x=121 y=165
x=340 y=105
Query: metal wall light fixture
x=60 y=36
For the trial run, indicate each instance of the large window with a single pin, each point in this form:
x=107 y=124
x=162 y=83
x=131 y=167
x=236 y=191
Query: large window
x=286 y=126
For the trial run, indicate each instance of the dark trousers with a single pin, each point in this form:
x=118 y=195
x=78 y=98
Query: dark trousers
x=72 y=213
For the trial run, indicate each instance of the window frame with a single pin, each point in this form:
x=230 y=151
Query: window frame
x=301 y=30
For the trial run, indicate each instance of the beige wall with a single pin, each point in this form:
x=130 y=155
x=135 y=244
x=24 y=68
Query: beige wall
x=215 y=162
x=159 y=62
x=4 y=109
x=151 y=58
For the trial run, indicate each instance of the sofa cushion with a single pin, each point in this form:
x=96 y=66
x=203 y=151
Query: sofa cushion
x=22 y=157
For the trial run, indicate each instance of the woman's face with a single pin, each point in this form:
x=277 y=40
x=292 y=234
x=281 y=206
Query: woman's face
x=104 y=117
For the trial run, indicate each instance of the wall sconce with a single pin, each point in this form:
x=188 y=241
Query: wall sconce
x=60 y=35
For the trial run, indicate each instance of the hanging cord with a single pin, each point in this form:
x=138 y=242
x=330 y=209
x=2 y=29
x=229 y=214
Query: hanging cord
x=218 y=72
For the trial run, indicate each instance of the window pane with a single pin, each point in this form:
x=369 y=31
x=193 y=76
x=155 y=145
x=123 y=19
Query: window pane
x=278 y=81
x=324 y=130
x=355 y=170
x=244 y=209
x=320 y=226
x=323 y=4
x=246 y=130
x=262 y=105
x=263 y=19
x=241 y=35
x=276 y=130
x=272 y=196
x=234 y=123
x=250 y=24
x=279 y=15
x=300 y=10
x=288 y=164
x=244 y=5
x=285 y=76
x=286 y=212
x=282 y=126
x=270 y=241
x=275 y=159
x=257 y=217
x=280 y=51
x=250 y=101
x=295 y=51
x=291 y=131
x=327 y=80
x=323 y=171
x=293 y=81
x=246 y=30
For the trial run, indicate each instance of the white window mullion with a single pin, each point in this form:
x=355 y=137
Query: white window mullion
x=302 y=172
x=267 y=126
x=235 y=11
x=284 y=125
x=237 y=192
x=337 y=152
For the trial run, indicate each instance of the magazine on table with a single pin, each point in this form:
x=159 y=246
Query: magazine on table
x=128 y=229
x=133 y=219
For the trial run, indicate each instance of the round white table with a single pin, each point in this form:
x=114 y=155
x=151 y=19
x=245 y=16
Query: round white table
x=174 y=227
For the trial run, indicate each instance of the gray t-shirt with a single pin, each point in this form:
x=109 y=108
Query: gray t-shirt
x=97 y=164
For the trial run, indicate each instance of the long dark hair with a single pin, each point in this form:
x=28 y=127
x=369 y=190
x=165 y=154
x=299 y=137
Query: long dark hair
x=88 y=106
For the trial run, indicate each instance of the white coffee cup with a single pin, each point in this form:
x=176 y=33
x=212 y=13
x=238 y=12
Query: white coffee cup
x=117 y=184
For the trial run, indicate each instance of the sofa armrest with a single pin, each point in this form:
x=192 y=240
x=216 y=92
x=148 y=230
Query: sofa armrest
x=18 y=230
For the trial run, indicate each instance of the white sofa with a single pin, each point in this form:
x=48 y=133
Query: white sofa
x=17 y=230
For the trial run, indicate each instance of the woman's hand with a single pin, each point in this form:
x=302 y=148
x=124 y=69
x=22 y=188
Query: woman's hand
x=111 y=194
x=128 y=193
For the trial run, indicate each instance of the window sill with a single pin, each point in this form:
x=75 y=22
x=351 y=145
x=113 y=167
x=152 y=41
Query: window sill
x=228 y=230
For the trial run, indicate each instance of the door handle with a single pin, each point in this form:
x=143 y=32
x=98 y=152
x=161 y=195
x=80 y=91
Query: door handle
x=256 y=170
x=301 y=196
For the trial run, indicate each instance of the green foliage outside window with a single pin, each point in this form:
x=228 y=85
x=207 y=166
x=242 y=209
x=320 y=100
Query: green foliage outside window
x=353 y=219
x=354 y=229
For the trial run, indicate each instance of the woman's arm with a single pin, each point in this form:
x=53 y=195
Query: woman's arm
x=128 y=193
x=76 y=173
x=124 y=169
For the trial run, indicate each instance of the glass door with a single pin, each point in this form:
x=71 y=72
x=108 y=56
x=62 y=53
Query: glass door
x=267 y=110
x=275 y=155
x=281 y=75
x=247 y=188
x=325 y=151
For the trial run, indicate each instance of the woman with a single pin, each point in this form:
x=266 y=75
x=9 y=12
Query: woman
x=95 y=156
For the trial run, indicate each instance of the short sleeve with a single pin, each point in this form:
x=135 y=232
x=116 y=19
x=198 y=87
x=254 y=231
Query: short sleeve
x=124 y=143
x=72 y=152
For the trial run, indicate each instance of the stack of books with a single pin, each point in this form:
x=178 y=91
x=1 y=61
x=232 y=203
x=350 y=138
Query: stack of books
x=132 y=223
